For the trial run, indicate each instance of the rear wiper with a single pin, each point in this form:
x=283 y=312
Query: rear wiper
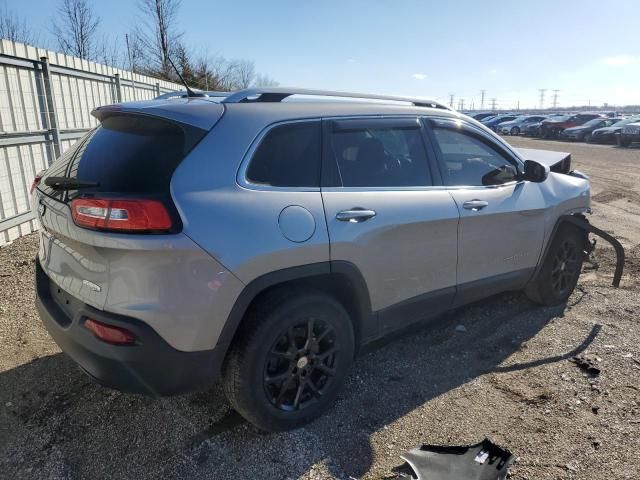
x=67 y=183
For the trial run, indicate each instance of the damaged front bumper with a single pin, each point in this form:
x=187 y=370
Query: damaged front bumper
x=482 y=461
x=584 y=224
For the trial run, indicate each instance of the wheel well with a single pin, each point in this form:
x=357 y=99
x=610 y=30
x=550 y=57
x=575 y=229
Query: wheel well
x=338 y=285
x=560 y=223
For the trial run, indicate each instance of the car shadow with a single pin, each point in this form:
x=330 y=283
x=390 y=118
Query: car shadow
x=54 y=418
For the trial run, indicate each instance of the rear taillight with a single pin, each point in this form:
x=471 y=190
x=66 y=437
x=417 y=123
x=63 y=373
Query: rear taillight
x=132 y=215
x=36 y=181
x=109 y=333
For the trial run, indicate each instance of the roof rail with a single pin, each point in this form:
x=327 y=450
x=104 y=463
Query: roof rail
x=279 y=94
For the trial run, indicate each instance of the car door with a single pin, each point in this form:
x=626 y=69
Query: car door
x=385 y=216
x=501 y=228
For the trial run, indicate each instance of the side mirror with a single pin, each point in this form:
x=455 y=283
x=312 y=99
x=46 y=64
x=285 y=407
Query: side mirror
x=534 y=171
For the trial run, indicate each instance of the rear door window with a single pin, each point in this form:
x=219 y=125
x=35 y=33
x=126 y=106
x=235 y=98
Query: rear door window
x=127 y=154
x=378 y=153
x=288 y=156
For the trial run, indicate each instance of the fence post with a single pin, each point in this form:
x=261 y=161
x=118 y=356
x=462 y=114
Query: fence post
x=157 y=89
x=118 y=89
x=52 y=116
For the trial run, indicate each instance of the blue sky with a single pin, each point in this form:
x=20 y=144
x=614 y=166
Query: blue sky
x=588 y=49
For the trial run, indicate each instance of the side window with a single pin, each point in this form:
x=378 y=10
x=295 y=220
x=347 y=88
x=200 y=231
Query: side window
x=470 y=161
x=288 y=156
x=379 y=154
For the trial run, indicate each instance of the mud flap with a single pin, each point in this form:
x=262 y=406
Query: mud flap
x=585 y=225
x=483 y=461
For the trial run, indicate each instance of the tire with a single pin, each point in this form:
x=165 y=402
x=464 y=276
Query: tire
x=515 y=131
x=623 y=142
x=560 y=269
x=277 y=378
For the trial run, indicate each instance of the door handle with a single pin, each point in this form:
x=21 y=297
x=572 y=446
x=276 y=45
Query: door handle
x=475 y=205
x=355 y=215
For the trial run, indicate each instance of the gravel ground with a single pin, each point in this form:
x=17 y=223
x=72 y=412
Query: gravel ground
x=507 y=376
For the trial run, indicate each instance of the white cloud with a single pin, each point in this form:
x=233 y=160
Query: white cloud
x=419 y=76
x=493 y=71
x=620 y=60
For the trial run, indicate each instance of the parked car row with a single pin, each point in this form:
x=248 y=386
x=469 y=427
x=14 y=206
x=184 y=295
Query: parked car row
x=583 y=127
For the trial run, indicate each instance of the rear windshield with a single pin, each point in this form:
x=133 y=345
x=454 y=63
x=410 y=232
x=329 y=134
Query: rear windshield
x=126 y=154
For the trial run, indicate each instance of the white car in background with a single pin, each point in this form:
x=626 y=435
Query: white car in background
x=517 y=125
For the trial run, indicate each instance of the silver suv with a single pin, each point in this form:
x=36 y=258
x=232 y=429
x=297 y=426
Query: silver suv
x=262 y=241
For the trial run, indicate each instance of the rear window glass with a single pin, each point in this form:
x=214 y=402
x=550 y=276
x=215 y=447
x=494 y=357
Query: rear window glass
x=127 y=154
x=380 y=157
x=288 y=156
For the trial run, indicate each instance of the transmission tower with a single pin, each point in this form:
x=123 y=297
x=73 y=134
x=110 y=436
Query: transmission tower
x=555 y=98
x=542 y=90
x=482 y=92
x=493 y=104
x=451 y=95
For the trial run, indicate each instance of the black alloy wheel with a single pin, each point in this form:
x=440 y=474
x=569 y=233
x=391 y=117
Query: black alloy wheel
x=300 y=365
x=565 y=268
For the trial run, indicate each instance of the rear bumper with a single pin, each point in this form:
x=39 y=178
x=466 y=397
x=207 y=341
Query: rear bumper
x=151 y=366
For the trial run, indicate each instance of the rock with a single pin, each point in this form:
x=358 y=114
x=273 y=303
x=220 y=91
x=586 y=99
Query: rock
x=461 y=328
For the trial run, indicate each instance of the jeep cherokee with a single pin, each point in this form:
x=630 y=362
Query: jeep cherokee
x=262 y=241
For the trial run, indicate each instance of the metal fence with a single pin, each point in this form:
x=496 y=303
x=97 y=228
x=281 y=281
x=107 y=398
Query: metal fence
x=46 y=99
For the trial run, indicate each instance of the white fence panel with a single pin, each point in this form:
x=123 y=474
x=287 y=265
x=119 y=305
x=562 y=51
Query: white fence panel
x=31 y=134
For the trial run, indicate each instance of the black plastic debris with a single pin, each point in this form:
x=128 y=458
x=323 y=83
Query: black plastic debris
x=483 y=461
x=587 y=364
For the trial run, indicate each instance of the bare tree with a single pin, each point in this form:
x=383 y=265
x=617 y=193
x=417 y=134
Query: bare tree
x=234 y=74
x=245 y=72
x=159 y=34
x=135 y=53
x=15 y=28
x=108 y=51
x=264 y=81
x=76 y=28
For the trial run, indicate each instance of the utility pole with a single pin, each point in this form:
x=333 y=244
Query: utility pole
x=462 y=104
x=493 y=104
x=482 y=92
x=451 y=95
x=555 y=98
x=518 y=107
x=133 y=85
x=542 y=90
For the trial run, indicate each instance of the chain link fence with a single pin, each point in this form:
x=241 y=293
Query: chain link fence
x=46 y=99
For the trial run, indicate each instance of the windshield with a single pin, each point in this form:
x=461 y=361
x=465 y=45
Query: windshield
x=593 y=123
x=624 y=122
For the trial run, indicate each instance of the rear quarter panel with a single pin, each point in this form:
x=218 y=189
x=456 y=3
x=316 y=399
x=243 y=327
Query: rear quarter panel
x=239 y=226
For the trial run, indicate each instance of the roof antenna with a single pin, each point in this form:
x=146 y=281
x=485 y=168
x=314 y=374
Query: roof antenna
x=190 y=93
